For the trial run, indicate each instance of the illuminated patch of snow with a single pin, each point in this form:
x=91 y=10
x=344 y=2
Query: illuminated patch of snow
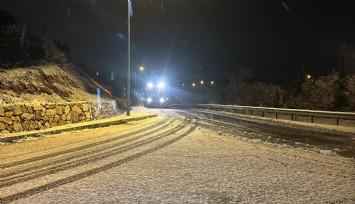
x=328 y=152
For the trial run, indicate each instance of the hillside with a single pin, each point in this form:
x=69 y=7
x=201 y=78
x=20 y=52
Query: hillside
x=49 y=83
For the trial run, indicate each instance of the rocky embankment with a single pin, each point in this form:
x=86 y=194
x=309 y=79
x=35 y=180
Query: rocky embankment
x=41 y=97
x=45 y=84
x=25 y=117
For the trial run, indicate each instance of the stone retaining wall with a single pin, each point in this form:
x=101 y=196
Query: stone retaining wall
x=26 y=117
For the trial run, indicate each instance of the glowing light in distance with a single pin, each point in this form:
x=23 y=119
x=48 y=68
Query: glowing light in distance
x=149 y=100
x=161 y=85
x=141 y=68
x=212 y=82
x=150 y=85
x=201 y=82
x=309 y=76
x=162 y=100
x=193 y=84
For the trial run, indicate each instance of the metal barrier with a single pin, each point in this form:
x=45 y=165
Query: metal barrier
x=311 y=116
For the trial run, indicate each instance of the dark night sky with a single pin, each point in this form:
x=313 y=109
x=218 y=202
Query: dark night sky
x=199 y=38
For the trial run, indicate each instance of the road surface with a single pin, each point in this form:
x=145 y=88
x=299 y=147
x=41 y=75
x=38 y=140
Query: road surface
x=181 y=156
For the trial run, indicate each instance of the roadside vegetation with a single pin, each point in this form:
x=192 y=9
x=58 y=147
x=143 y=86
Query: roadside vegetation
x=20 y=49
x=36 y=69
x=332 y=92
x=335 y=91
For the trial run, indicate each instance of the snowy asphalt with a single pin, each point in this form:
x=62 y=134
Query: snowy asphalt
x=169 y=159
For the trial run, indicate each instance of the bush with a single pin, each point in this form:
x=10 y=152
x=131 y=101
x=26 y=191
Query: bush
x=324 y=92
x=14 y=50
x=17 y=48
x=241 y=92
x=52 y=55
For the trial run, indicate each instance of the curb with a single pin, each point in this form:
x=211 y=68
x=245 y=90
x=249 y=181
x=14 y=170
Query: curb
x=78 y=126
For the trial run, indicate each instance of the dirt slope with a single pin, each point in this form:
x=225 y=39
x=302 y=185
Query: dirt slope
x=46 y=84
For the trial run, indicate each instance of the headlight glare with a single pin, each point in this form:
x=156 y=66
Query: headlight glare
x=161 y=85
x=150 y=85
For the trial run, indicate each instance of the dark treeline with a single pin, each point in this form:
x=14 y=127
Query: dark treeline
x=329 y=92
x=19 y=48
x=332 y=92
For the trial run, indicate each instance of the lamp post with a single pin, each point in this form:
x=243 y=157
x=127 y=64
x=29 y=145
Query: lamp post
x=129 y=61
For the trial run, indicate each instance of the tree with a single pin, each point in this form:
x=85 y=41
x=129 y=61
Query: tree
x=19 y=48
x=323 y=95
x=262 y=94
x=6 y=19
x=237 y=86
x=341 y=100
x=303 y=78
x=14 y=47
x=53 y=55
x=350 y=90
x=61 y=46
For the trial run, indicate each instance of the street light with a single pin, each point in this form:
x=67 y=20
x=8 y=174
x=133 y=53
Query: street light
x=201 y=82
x=130 y=14
x=141 y=69
x=212 y=82
x=193 y=84
x=308 y=76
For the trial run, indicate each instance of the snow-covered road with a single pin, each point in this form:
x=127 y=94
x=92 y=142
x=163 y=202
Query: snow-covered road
x=169 y=159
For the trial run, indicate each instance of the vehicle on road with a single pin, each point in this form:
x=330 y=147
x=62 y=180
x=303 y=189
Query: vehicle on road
x=157 y=95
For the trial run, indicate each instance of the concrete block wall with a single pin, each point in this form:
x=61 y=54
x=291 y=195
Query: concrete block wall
x=26 y=117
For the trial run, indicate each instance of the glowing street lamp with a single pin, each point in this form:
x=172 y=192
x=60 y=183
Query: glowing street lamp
x=308 y=76
x=193 y=84
x=201 y=82
x=212 y=82
x=141 y=69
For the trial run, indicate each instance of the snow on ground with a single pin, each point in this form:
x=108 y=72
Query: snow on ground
x=43 y=84
x=321 y=127
x=207 y=167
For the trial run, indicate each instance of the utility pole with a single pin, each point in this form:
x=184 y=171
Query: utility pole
x=129 y=62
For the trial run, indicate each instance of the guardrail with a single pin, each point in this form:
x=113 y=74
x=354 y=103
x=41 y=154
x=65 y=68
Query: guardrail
x=311 y=116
